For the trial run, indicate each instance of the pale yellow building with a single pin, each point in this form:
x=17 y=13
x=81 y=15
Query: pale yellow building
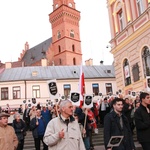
x=130 y=43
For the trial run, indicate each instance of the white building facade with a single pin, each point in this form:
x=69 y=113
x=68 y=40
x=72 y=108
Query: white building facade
x=25 y=83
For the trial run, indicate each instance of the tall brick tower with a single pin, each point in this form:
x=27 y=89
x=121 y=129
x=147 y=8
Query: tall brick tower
x=66 y=44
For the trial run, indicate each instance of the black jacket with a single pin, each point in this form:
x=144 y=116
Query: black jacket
x=19 y=128
x=142 y=123
x=112 y=127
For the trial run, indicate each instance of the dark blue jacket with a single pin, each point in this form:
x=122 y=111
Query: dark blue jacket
x=34 y=127
x=112 y=127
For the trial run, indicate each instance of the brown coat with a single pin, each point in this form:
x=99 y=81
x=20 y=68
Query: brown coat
x=8 y=138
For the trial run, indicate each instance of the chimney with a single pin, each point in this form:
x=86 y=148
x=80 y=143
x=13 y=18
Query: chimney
x=26 y=46
x=89 y=62
x=8 y=65
x=44 y=62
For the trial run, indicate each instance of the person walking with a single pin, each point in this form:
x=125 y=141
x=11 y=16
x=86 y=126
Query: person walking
x=38 y=126
x=19 y=127
x=8 y=138
x=26 y=117
x=127 y=110
x=142 y=121
x=63 y=132
x=46 y=114
x=116 y=124
x=104 y=108
x=20 y=110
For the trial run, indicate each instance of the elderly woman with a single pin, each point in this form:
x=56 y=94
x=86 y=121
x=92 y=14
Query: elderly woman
x=19 y=126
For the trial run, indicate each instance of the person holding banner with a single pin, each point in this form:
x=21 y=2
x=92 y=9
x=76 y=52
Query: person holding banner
x=83 y=121
x=63 y=132
x=117 y=132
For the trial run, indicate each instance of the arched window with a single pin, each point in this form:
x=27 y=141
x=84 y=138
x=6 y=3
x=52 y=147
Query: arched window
x=120 y=20
x=146 y=61
x=58 y=35
x=72 y=33
x=74 y=61
x=73 y=48
x=59 y=48
x=126 y=70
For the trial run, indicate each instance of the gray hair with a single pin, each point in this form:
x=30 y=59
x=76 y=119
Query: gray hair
x=63 y=103
x=16 y=114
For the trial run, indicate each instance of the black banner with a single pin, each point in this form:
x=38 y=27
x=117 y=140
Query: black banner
x=53 y=88
x=75 y=97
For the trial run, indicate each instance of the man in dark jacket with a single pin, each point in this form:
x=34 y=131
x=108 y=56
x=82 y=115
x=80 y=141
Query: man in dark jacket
x=38 y=127
x=116 y=124
x=26 y=117
x=127 y=110
x=142 y=121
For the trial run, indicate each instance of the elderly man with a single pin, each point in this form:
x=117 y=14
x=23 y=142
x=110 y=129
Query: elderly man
x=63 y=132
x=8 y=138
x=38 y=126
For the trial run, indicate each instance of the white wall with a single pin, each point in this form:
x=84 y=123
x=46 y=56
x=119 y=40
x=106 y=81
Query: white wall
x=44 y=92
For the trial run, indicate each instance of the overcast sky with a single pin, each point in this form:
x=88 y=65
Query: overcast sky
x=28 y=20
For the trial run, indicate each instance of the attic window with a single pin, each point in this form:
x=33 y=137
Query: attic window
x=74 y=72
x=107 y=71
x=34 y=73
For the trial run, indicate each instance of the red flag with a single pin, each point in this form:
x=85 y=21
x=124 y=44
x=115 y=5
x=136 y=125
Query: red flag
x=81 y=86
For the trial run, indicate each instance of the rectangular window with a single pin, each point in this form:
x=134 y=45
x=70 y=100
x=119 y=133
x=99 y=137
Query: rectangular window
x=108 y=88
x=16 y=92
x=95 y=87
x=36 y=91
x=121 y=20
x=67 y=89
x=140 y=7
x=4 y=93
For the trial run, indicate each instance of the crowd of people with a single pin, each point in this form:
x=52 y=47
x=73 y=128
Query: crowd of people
x=66 y=126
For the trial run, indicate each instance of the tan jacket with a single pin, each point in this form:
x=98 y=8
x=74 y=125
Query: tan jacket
x=72 y=139
x=8 y=138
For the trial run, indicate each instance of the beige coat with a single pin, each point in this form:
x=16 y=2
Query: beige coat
x=72 y=139
x=8 y=138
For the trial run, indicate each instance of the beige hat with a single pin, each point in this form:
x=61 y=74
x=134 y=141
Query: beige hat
x=3 y=114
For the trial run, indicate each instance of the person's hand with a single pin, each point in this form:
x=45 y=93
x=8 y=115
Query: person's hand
x=83 y=131
x=109 y=149
x=37 y=123
x=61 y=134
